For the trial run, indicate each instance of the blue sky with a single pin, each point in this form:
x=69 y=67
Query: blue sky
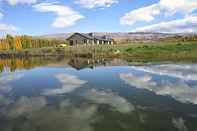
x=37 y=17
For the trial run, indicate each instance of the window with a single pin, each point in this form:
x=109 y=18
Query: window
x=71 y=42
x=85 y=41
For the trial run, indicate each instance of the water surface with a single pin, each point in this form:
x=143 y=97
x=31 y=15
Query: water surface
x=42 y=94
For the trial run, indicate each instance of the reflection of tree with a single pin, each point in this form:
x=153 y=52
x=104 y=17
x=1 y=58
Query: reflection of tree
x=24 y=63
x=1 y=68
x=12 y=64
x=28 y=63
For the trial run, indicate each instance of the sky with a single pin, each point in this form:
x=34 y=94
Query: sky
x=38 y=17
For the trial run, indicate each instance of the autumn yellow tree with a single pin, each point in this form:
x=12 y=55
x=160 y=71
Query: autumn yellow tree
x=4 y=45
x=17 y=43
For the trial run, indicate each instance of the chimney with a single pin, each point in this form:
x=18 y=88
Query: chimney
x=104 y=37
x=91 y=34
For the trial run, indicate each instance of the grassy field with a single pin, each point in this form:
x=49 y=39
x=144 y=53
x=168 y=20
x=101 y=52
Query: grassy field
x=149 y=52
x=186 y=51
x=46 y=51
x=162 y=52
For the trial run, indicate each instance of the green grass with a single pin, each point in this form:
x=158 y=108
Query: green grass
x=133 y=52
x=162 y=52
x=149 y=52
x=46 y=51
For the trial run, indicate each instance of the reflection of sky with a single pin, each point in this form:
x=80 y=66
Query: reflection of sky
x=5 y=80
x=26 y=105
x=4 y=101
x=68 y=84
x=179 y=123
x=181 y=71
x=178 y=89
x=65 y=113
x=67 y=116
x=109 y=98
x=74 y=100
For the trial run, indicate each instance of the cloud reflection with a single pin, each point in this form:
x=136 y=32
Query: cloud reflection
x=65 y=116
x=4 y=101
x=5 y=80
x=69 y=83
x=181 y=71
x=178 y=90
x=77 y=118
x=26 y=105
x=179 y=123
x=114 y=100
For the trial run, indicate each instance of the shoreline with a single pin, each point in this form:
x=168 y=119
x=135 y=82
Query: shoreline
x=174 y=52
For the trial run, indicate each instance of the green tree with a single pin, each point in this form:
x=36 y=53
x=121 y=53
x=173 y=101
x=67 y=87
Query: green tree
x=10 y=40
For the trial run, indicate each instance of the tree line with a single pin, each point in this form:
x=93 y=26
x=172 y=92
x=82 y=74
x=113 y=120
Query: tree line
x=24 y=42
x=25 y=63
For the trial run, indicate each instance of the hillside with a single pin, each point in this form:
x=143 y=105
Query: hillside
x=127 y=37
x=61 y=36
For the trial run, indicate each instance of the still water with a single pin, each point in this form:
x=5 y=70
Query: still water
x=41 y=94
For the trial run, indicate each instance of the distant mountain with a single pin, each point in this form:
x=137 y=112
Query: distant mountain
x=123 y=36
x=61 y=36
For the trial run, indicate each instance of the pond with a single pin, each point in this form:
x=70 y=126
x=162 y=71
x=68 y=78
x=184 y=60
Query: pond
x=59 y=94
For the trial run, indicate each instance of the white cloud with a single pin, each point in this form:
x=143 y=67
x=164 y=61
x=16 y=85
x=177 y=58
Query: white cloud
x=15 y=2
x=96 y=3
x=142 y=14
x=69 y=83
x=66 y=16
x=102 y=97
x=163 y=7
x=188 y=25
x=174 y=6
x=7 y=28
x=1 y=15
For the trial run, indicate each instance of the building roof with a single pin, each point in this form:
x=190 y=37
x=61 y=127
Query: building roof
x=103 y=38
x=91 y=36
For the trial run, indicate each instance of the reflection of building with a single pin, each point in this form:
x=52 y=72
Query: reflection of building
x=80 y=63
x=11 y=65
x=117 y=62
x=91 y=39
